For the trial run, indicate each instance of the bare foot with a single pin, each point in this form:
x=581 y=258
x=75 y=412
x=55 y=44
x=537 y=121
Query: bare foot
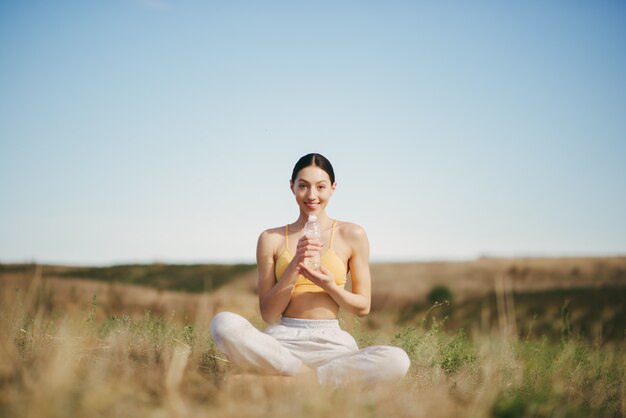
x=304 y=369
x=306 y=375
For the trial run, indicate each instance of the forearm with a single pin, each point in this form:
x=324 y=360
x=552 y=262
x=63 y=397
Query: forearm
x=351 y=302
x=275 y=301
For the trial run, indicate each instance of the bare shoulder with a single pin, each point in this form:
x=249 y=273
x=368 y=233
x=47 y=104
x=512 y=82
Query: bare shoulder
x=271 y=237
x=271 y=233
x=354 y=241
x=351 y=232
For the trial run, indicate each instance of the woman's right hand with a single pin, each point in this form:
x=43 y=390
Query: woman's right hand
x=307 y=247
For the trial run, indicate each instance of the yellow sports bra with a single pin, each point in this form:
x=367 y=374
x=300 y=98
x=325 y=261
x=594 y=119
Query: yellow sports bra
x=329 y=259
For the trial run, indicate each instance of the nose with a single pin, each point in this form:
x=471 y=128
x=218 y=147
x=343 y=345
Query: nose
x=311 y=193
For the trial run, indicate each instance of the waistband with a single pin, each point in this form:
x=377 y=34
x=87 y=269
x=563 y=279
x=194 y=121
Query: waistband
x=309 y=323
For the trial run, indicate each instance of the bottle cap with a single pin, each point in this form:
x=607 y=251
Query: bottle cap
x=312 y=218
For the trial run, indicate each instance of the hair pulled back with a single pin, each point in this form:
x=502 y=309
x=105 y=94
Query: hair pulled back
x=316 y=160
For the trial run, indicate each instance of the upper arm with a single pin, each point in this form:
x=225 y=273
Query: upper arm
x=359 y=261
x=265 y=264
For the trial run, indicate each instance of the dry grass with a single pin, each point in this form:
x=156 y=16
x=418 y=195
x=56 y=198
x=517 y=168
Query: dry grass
x=63 y=357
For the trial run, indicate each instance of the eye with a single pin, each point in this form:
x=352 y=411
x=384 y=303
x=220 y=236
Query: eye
x=321 y=187
x=302 y=186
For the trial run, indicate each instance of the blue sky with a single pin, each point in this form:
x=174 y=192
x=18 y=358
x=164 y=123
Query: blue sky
x=141 y=131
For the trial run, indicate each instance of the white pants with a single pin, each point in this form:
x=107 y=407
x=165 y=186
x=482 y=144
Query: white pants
x=317 y=343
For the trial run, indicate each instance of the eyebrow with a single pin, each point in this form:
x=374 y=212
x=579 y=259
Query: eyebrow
x=304 y=181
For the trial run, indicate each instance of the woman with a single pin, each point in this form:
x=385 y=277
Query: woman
x=302 y=304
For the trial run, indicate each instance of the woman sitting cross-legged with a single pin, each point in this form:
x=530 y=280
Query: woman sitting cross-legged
x=301 y=301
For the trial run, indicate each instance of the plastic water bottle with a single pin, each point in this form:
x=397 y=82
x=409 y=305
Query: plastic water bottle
x=312 y=229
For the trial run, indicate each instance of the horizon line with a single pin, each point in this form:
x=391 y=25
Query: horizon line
x=378 y=260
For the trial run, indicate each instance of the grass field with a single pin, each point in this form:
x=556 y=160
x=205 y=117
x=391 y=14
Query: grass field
x=67 y=350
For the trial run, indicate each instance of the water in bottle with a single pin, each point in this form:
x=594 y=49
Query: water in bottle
x=312 y=229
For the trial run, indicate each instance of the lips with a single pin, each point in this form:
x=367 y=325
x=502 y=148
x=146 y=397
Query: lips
x=312 y=205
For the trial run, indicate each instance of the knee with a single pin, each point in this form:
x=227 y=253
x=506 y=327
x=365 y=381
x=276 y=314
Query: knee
x=226 y=324
x=397 y=363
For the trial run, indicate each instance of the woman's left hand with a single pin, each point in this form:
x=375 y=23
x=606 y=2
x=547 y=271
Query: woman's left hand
x=322 y=277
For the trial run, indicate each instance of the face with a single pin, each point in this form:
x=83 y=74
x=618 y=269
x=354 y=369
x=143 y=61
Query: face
x=312 y=189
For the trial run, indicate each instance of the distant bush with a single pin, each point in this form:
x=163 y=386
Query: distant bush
x=439 y=294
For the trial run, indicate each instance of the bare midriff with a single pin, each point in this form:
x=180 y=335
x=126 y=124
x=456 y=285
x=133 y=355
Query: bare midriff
x=312 y=305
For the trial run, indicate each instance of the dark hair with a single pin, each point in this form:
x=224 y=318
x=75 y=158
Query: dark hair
x=317 y=160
